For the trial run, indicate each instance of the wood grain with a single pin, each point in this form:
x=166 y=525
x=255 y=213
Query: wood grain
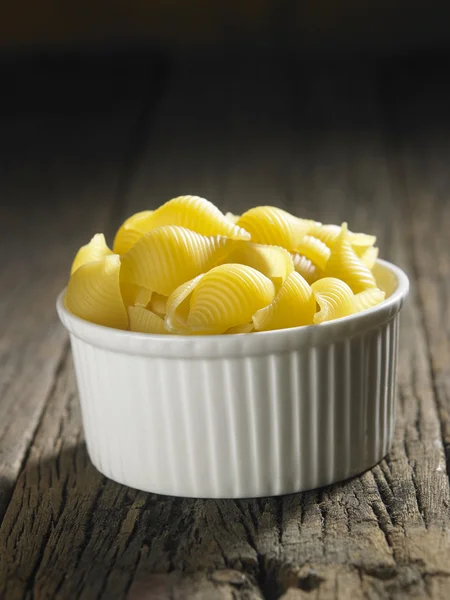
x=60 y=182
x=300 y=143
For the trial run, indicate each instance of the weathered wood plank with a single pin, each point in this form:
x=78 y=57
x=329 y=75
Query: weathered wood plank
x=59 y=183
x=70 y=533
x=424 y=166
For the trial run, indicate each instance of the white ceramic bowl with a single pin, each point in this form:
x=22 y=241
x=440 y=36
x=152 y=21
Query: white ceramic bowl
x=245 y=415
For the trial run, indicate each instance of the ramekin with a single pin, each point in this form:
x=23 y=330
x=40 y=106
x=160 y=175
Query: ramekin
x=238 y=416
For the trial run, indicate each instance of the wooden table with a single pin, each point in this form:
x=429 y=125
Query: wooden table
x=85 y=146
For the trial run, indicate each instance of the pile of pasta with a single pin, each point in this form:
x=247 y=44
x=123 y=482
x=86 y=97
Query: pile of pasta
x=187 y=268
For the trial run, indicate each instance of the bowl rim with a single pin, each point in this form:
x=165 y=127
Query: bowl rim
x=124 y=341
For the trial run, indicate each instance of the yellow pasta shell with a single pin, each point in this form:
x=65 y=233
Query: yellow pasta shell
x=131 y=231
x=93 y=293
x=361 y=241
x=335 y=299
x=328 y=234
x=305 y=268
x=166 y=257
x=245 y=328
x=368 y=298
x=314 y=249
x=271 y=225
x=233 y=218
x=369 y=257
x=345 y=264
x=97 y=249
x=293 y=306
x=143 y=297
x=272 y=261
x=134 y=295
x=178 y=304
x=197 y=214
x=158 y=304
x=227 y=296
x=144 y=321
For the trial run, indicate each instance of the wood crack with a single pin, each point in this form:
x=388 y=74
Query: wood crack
x=386 y=493
x=59 y=368
x=432 y=373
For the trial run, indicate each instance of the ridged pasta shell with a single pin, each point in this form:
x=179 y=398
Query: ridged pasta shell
x=314 y=249
x=335 y=299
x=158 y=304
x=328 y=234
x=233 y=218
x=196 y=214
x=97 y=249
x=345 y=264
x=143 y=297
x=245 y=328
x=166 y=257
x=368 y=298
x=131 y=231
x=93 y=293
x=293 y=306
x=227 y=296
x=272 y=261
x=306 y=268
x=144 y=321
x=178 y=304
x=369 y=257
x=134 y=295
x=271 y=225
x=360 y=242
x=188 y=268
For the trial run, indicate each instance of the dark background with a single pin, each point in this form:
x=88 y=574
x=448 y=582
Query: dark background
x=72 y=72
x=177 y=26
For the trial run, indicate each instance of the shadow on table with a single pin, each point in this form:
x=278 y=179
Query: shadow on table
x=71 y=527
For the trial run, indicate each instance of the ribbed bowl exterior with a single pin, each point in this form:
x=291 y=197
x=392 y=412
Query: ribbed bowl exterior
x=197 y=418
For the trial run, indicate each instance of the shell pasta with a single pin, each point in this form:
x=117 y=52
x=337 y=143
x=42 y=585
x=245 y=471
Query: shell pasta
x=293 y=306
x=186 y=268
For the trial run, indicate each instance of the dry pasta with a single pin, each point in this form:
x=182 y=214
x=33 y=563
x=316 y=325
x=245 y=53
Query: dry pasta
x=271 y=225
x=272 y=261
x=131 y=231
x=329 y=234
x=314 y=249
x=368 y=298
x=158 y=304
x=293 y=306
x=245 y=328
x=228 y=296
x=232 y=217
x=93 y=293
x=188 y=269
x=144 y=321
x=166 y=257
x=178 y=304
x=344 y=264
x=335 y=299
x=95 y=250
x=369 y=257
x=196 y=214
x=306 y=268
x=134 y=295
